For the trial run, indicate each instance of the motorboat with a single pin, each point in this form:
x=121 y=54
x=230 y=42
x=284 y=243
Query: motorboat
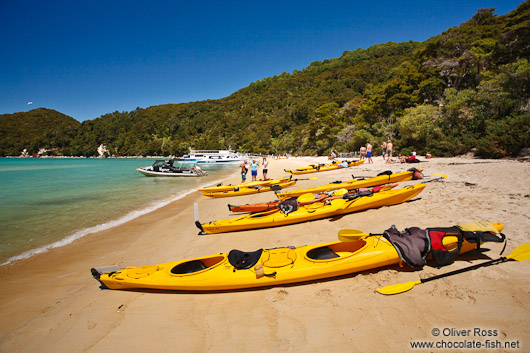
x=167 y=167
x=218 y=157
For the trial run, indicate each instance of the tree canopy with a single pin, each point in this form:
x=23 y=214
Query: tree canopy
x=467 y=89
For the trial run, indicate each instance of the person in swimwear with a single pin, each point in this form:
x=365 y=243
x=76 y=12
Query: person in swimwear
x=389 y=147
x=265 y=164
x=383 y=149
x=362 y=153
x=244 y=171
x=369 y=153
x=254 y=169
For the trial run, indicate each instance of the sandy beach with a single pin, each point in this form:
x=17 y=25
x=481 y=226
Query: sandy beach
x=51 y=303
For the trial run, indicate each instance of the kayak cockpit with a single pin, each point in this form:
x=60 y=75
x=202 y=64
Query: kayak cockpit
x=198 y=265
x=335 y=251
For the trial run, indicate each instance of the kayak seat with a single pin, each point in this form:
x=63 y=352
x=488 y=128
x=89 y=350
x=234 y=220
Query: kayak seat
x=354 y=195
x=243 y=260
x=322 y=253
x=188 y=267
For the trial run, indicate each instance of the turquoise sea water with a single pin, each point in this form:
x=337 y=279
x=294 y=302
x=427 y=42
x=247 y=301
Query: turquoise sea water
x=47 y=203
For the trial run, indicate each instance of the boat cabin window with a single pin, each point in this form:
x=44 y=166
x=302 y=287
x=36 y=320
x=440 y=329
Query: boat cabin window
x=161 y=163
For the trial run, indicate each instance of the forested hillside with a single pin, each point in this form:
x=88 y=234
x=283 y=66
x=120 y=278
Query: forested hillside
x=36 y=129
x=467 y=89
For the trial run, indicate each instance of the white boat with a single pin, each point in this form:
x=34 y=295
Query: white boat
x=166 y=168
x=218 y=157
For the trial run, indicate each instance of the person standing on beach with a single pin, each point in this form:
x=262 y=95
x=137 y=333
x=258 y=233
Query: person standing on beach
x=362 y=153
x=389 y=147
x=265 y=168
x=369 y=152
x=244 y=171
x=383 y=149
x=254 y=169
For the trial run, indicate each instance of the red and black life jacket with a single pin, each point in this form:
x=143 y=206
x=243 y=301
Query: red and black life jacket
x=414 y=244
x=440 y=254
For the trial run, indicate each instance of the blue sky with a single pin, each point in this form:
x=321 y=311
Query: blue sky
x=89 y=58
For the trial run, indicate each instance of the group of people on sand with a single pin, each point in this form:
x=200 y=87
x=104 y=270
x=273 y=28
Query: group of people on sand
x=334 y=154
x=366 y=152
x=254 y=165
x=387 y=148
x=404 y=159
x=386 y=151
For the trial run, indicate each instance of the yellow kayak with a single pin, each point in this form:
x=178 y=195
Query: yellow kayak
x=269 y=267
x=311 y=166
x=249 y=190
x=221 y=188
x=327 y=167
x=317 y=166
x=319 y=210
x=352 y=184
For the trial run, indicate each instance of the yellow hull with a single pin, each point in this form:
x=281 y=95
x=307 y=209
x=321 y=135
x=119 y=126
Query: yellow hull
x=221 y=188
x=247 y=190
x=307 y=170
x=274 y=267
x=314 y=211
x=351 y=184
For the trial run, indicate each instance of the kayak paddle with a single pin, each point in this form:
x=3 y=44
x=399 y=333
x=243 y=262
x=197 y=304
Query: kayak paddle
x=313 y=178
x=437 y=179
x=520 y=253
x=354 y=235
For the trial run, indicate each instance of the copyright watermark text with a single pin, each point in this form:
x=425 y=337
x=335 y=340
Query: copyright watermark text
x=474 y=338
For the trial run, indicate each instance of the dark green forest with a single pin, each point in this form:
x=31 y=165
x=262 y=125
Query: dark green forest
x=465 y=90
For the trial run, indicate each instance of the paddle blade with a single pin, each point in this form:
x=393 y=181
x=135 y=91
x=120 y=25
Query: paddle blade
x=520 y=253
x=306 y=197
x=196 y=211
x=397 y=288
x=351 y=235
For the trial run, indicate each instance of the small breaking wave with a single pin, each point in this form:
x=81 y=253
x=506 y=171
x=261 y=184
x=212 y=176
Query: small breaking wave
x=98 y=228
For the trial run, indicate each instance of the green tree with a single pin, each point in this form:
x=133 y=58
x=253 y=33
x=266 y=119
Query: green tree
x=420 y=131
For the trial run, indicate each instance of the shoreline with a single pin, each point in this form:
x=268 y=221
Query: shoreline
x=52 y=297
x=115 y=222
x=84 y=232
